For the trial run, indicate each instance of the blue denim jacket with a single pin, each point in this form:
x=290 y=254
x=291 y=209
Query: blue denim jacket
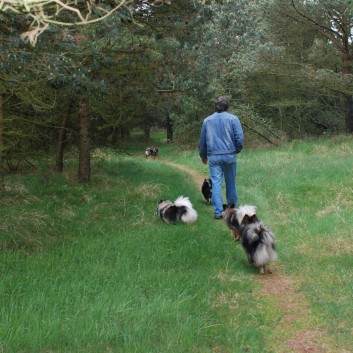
x=221 y=133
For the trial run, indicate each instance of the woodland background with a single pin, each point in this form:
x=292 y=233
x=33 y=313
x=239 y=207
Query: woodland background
x=285 y=65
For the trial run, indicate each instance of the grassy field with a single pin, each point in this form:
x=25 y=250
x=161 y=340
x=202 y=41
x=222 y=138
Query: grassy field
x=92 y=269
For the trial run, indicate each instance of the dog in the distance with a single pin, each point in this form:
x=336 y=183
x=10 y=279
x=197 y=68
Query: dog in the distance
x=151 y=151
x=256 y=238
x=206 y=190
x=181 y=210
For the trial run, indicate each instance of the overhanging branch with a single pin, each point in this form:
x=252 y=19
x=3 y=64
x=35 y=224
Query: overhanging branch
x=45 y=12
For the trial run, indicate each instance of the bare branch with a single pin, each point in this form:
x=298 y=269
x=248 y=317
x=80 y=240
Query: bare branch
x=319 y=27
x=38 y=11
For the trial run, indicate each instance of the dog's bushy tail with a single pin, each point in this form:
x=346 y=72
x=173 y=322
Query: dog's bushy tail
x=265 y=251
x=190 y=216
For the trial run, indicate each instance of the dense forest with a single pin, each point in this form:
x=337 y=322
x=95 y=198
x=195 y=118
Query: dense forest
x=285 y=65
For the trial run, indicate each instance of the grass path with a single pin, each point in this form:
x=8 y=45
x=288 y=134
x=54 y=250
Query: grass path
x=90 y=268
x=294 y=333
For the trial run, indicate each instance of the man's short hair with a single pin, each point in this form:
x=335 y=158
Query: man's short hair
x=222 y=104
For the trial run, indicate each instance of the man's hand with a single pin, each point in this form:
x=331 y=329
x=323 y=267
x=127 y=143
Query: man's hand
x=204 y=160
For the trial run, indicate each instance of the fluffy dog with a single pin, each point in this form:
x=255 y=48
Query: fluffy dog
x=258 y=243
x=206 y=190
x=256 y=238
x=151 y=152
x=181 y=210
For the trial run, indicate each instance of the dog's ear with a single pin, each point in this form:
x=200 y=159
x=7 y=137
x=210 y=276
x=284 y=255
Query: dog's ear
x=246 y=220
x=254 y=218
x=234 y=221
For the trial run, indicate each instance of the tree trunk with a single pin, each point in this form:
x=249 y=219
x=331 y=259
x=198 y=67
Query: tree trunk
x=84 y=168
x=349 y=114
x=59 y=164
x=115 y=136
x=347 y=70
x=2 y=145
x=147 y=133
x=169 y=130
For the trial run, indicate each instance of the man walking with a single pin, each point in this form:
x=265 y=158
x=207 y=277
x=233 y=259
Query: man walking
x=221 y=139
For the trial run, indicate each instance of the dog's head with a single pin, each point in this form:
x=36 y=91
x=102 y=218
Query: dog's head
x=246 y=215
x=207 y=185
x=230 y=215
x=162 y=205
x=241 y=216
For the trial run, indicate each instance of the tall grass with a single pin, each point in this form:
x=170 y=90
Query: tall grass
x=92 y=269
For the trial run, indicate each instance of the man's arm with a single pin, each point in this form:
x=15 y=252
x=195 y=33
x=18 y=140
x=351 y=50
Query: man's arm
x=238 y=136
x=203 y=145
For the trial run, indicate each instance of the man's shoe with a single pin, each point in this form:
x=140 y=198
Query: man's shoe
x=218 y=217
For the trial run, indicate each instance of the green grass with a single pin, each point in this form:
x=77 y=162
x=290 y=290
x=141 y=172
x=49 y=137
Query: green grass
x=92 y=269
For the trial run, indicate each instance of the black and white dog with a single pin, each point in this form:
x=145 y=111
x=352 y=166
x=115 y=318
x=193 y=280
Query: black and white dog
x=181 y=210
x=206 y=190
x=151 y=152
x=256 y=238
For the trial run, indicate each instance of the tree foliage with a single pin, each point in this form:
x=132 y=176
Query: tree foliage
x=285 y=65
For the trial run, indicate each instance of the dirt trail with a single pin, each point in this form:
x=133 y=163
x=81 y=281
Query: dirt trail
x=282 y=290
x=197 y=177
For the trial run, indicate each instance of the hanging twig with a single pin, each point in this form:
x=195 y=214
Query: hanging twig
x=260 y=134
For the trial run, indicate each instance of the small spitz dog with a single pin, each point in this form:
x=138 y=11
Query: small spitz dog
x=151 y=152
x=206 y=190
x=256 y=238
x=181 y=210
